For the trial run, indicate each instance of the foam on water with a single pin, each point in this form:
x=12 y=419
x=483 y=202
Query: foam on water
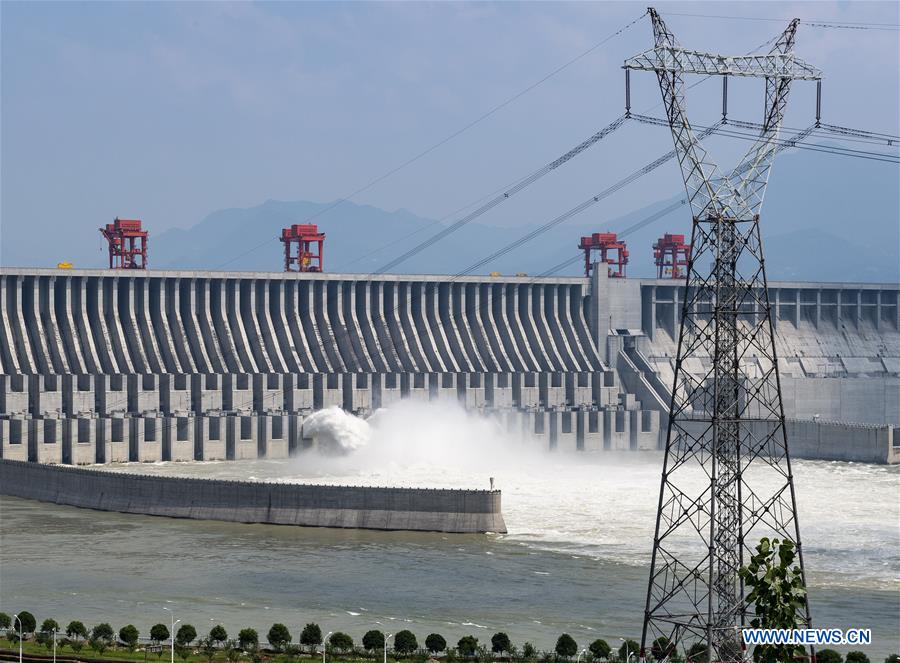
x=597 y=505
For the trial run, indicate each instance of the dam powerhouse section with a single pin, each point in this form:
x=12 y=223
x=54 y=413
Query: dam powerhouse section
x=101 y=366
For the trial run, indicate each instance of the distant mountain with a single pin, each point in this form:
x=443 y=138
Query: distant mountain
x=825 y=218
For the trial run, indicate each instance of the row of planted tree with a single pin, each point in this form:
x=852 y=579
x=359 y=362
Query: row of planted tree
x=186 y=643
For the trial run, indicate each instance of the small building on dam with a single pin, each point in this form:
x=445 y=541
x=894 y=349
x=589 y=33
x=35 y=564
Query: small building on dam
x=106 y=366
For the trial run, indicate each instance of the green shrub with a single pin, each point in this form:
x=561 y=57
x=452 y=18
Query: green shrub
x=341 y=642
x=467 y=645
x=828 y=656
x=159 y=633
x=629 y=649
x=435 y=643
x=129 y=636
x=566 y=646
x=500 y=643
x=248 y=639
x=186 y=635
x=279 y=637
x=218 y=634
x=600 y=649
x=311 y=636
x=405 y=642
x=373 y=640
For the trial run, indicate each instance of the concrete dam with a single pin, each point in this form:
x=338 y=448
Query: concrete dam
x=108 y=366
x=356 y=507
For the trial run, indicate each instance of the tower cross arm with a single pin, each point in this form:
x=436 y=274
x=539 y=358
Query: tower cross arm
x=681 y=60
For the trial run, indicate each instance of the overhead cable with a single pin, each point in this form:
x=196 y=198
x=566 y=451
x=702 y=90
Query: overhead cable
x=782 y=143
x=480 y=118
x=653 y=165
x=451 y=136
x=813 y=23
x=505 y=195
x=653 y=218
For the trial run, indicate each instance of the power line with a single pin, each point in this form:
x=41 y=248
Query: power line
x=847 y=134
x=653 y=165
x=653 y=218
x=521 y=185
x=847 y=131
x=813 y=23
x=782 y=143
x=456 y=133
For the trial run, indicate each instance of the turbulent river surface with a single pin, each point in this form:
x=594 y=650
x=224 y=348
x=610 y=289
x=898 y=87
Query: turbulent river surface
x=575 y=559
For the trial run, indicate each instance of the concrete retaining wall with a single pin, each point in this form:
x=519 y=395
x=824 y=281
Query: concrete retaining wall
x=828 y=440
x=464 y=511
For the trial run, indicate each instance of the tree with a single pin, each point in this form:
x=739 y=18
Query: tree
x=893 y=658
x=218 y=635
x=566 y=646
x=697 y=653
x=27 y=621
x=778 y=595
x=184 y=653
x=373 y=640
x=129 y=636
x=101 y=637
x=5 y=620
x=661 y=648
x=629 y=649
x=341 y=641
x=600 y=648
x=467 y=645
x=76 y=632
x=829 y=656
x=405 y=642
x=159 y=633
x=528 y=651
x=435 y=643
x=311 y=636
x=279 y=637
x=856 y=657
x=186 y=635
x=248 y=639
x=500 y=643
x=46 y=632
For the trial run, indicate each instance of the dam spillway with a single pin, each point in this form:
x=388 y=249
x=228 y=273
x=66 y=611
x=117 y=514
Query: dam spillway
x=104 y=366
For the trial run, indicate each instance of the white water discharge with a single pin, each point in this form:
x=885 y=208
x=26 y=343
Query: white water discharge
x=600 y=505
x=575 y=558
x=409 y=438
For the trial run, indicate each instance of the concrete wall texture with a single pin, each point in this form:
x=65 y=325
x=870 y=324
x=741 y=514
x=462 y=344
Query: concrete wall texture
x=103 y=366
x=464 y=511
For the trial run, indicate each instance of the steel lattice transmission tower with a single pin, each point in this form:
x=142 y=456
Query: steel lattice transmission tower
x=726 y=416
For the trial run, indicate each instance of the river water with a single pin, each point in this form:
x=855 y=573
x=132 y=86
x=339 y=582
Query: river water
x=575 y=559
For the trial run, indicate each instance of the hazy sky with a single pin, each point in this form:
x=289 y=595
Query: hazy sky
x=168 y=111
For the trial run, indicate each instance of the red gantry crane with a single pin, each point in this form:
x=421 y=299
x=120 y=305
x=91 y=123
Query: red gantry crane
x=612 y=252
x=303 y=248
x=127 y=244
x=671 y=255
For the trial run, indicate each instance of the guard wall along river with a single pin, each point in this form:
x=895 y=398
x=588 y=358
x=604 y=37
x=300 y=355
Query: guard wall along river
x=448 y=510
